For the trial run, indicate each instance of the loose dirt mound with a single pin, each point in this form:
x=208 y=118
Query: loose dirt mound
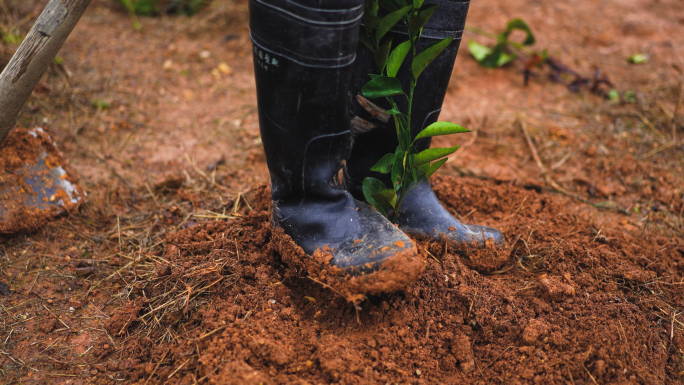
x=574 y=301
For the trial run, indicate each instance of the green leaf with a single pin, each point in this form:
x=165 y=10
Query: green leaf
x=639 y=58
x=381 y=54
x=397 y=167
x=404 y=136
x=382 y=86
x=434 y=167
x=11 y=38
x=390 y=20
x=146 y=7
x=505 y=58
x=101 y=104
x=499 y=56
x=384 y=165
x=396 y=58
x=614 y=97
x=432 y=154
x=491 y=57
x=366 y=40
x=521 y=25
x=387 y=197
x=479 y=51
x=388 y=5
x=394 y=111
x=372 y=186
x=440 y=128
x=415 y=175
x=629 y=97
x=422 y=167
x=392 y=5
x=421 y=61
x=417 y=4
x=418 y=20
x=370 y=15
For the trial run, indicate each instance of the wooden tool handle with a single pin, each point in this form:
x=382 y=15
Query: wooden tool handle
x=33 y=57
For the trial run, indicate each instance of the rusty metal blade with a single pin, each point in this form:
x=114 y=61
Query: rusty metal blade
x=35 y=185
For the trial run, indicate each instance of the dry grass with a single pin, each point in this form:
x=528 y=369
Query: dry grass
x=119 y=257
x=177 y=288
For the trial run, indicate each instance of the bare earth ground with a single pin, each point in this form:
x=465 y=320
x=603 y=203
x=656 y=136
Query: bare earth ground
x=171 y=273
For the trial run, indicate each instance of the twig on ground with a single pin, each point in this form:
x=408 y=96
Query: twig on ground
x=589 y=373
x=533 y=148
x=356 y=307
x=658 y=149
x=552 y=183
x=210 y=373
x=177 y=369
x=203 y=174
x=211 y=332
x=157 y=367
x=58 y=319
x=565 y=158
x=674 y=114
x=154 y=197
x=496 y=358
x=572 y=381
x=672 y=226
x=651 y=126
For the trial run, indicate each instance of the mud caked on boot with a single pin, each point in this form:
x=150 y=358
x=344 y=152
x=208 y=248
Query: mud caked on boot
x=421 y=212
x=303 y=54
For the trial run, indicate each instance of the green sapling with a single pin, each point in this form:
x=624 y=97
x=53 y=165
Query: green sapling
x=407 y=167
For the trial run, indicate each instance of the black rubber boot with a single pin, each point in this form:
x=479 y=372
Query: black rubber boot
x=375 y=135
x=303 y=57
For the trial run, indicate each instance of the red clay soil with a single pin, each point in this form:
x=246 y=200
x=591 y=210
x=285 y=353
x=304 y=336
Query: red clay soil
x=570 y=303
x=172 y=273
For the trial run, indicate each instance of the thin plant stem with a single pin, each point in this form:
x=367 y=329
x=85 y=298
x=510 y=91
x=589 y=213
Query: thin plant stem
x=405 y=139
x=398 y=205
